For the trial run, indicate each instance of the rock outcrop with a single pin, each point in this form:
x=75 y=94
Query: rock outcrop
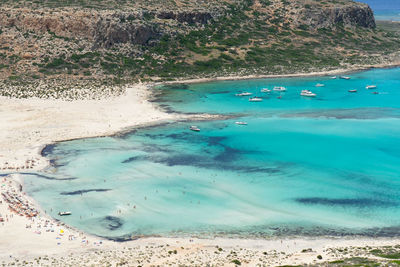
x=188 y=17
x=351 y=15
x=103 y=28
x=107 y=34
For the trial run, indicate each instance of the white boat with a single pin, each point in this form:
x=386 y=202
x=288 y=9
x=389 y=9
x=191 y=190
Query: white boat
x=194 y=128
x=279 y=88
x=333 y=77
x=345 y=77
x=255 y=99
x=307 y=93
x=241 y=123
x=319 y=85
x=353 y=91
x=371 y=87
x=265 y=90
x=243 y=94
x=64 y=213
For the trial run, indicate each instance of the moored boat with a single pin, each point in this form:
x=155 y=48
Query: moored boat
x=345 y=77
x=194 y=128
x=241 y=123
x=371 y=87
x=319 y=85
x=243 y=94
x=265 y=90
x=255 y=99
x=353 y=91
x=333 y=77
x=307 y=93
x=64 y=213
x=279 y=88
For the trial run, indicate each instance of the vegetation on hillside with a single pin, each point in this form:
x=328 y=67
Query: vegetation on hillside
x=247 y=37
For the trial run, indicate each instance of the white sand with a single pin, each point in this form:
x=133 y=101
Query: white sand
x=28 y=124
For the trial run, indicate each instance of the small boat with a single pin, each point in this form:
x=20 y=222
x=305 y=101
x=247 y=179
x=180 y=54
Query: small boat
x=64 y=213
x=307 y=93
x=319 y=85
x=194 y=128
x=353 y=91
x=265 y=90
x=371 y=87
x=279 y=88
x=255 y=99
x=345 y=77
x=241 y=123
x=243 y=94
x=333 y=77
x=375 y=93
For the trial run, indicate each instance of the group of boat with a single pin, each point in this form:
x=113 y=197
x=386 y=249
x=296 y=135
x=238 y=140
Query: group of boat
x=306 y=93
x=367 y=87
x=277 y=89
x=355 y=90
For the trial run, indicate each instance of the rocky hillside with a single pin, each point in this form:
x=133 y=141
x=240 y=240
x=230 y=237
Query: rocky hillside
x=110 y=42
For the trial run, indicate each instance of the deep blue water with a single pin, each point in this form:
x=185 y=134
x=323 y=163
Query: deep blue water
x=385 y=9
x=302 y=166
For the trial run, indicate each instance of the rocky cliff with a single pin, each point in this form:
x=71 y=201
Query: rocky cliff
x=105 y=28
x=350 y=15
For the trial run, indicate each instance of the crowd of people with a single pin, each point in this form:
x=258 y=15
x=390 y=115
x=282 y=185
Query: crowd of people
x=17 y=204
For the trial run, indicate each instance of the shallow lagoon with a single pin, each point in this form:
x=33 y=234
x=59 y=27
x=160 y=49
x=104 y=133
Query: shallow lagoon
x=328 y=165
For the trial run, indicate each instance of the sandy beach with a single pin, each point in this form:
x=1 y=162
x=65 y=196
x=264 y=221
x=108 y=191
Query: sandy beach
x=29 y=124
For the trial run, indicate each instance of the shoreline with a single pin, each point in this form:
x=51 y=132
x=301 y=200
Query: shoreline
x=146 y=98
x=291 y=75
x=70 y=124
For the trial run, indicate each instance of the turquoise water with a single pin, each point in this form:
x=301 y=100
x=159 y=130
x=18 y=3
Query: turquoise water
x=327 y=165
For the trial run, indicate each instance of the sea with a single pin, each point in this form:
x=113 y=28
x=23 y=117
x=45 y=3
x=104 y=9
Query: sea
x=301 y=166
x=385 y=9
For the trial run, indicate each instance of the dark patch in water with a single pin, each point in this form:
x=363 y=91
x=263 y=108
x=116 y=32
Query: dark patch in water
x=356 y=202
x=151 y=148
x=392 y=151
x=47 y=150
x=131 y=159
x=112 y=223
x=228 y=155
x=176 y=86
x=208 y=162
x=183 y=136
x=80 y=192
x=48 y=177
x=183 y=160
x=355 y=113
x=219 y=92
x=215 y=140
x=55 y=164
